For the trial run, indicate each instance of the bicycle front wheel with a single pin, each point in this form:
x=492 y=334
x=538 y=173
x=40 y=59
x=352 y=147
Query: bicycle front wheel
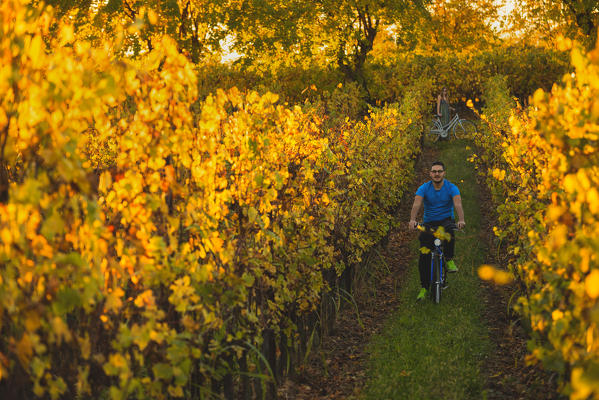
x=464 y=129
x=436 y=283
x=435 y=130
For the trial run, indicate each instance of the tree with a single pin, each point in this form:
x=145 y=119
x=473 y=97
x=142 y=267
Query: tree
x=344 y=30
x=585 y=14
x=548 y=19
x=449 y=25
x=198 y=26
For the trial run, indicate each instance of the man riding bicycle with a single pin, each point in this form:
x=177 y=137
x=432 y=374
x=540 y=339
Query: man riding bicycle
x=440 y=198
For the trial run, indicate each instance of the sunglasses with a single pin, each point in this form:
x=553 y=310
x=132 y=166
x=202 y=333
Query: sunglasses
x=437 y=171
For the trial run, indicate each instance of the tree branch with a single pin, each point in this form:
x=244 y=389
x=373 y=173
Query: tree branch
x=132 y=13
x=184 y=17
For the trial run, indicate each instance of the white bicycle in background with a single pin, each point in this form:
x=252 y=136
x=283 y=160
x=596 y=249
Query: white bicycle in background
x=458 y=127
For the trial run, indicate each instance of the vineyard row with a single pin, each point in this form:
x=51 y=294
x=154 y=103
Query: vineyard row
x=541 y=164
x=154 y=244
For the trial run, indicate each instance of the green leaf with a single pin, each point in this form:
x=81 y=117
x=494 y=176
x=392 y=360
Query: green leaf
x=53 y=225
x=248 y=279
x=252 y=214
x=67 y=300
x=163 y=371
x=70 y=259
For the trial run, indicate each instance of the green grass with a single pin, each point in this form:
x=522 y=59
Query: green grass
x=429 y=351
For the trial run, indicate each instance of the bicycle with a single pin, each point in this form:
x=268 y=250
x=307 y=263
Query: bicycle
x=438 y=278
x=459 y=127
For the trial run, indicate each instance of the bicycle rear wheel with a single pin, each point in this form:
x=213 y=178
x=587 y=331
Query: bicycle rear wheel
x=464 y=129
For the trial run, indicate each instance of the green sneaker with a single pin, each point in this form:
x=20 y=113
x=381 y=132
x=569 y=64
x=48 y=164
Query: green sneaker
x=421 y=294
x=451 y=266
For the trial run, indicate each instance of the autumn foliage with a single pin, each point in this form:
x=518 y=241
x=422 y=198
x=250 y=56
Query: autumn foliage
x=542 y=168
x=150 y=239
x=172 y=226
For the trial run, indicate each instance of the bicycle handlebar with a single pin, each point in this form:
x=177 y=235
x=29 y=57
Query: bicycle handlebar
x=451 y=225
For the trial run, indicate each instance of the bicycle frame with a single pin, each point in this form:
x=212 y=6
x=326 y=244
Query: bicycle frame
x=443 y=130
x=438 y=251
x=437 y=285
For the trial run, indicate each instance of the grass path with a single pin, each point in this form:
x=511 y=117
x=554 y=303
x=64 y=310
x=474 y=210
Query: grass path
x=429 y=351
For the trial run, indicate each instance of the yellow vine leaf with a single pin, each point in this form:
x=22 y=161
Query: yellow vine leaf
x=591 y=284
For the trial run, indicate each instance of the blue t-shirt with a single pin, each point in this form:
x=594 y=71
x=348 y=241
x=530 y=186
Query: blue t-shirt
x=438 y=204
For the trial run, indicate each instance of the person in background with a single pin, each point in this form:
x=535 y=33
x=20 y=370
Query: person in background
x=443 y=106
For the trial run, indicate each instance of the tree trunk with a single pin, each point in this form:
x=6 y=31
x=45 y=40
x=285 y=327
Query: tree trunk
x=352 y=65
x=3 y=183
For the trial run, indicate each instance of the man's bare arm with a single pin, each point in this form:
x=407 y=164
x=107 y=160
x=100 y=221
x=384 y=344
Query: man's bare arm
x=457 y=205
x=415 y=210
